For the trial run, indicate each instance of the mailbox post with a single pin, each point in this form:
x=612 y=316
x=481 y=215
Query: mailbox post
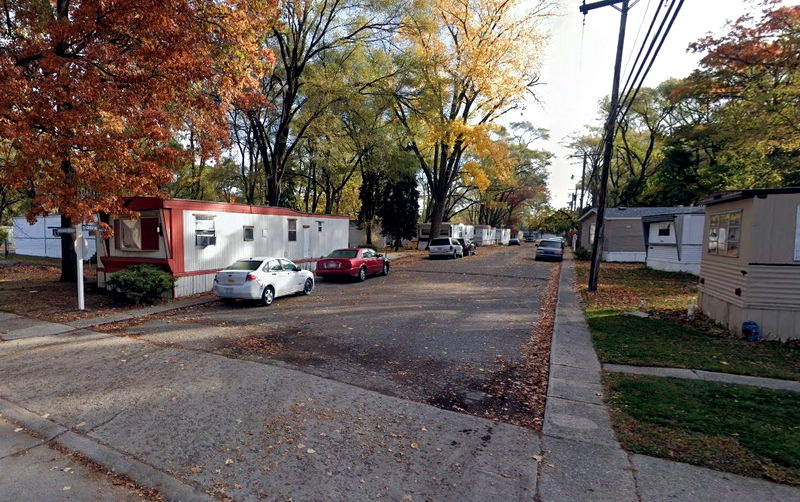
x=81 y=247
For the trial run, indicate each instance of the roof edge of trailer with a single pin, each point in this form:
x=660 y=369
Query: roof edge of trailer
x=733 y=195
x=147 y=203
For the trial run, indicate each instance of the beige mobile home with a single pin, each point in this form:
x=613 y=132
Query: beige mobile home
x=750 y=270
x=624 y=237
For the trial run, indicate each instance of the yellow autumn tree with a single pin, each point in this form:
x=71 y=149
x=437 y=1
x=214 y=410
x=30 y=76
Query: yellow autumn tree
x=463 y=64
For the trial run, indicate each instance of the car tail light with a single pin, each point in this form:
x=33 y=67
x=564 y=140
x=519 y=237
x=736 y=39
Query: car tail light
x=251 y=277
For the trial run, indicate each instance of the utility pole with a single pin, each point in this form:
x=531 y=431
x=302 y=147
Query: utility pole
x=597 y=246
x=583 y=182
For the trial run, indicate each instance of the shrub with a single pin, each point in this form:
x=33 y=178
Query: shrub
x=582 y=254
x=140 y=283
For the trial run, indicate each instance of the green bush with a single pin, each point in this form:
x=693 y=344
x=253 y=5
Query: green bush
x=582 y=254
x=140 y=283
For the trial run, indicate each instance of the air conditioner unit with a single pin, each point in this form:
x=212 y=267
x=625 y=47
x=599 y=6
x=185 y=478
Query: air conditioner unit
x=205 y=240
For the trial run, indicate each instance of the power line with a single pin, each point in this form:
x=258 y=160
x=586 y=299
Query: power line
x=641 y=73
x=626 y=87
x=627 y=103
x=636 y=39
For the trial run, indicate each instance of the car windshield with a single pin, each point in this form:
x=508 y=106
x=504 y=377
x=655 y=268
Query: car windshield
x=245 y=265
x=344 y=253
x=440 y=242
x=550 y=244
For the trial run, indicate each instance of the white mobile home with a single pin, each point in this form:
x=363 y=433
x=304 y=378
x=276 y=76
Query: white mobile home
x=674 y=242
x=38 y=239
x=484 y=235
x=194 y=239
x=502 y=236
x=447 y=229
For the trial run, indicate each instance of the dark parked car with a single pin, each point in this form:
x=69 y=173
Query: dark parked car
x=550 y=250
x=513 y=241
x=469 y=247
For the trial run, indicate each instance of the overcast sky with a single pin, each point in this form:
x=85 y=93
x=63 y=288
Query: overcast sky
x=578 y=68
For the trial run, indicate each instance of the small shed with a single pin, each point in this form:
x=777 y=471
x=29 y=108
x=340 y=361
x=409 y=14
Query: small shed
x=38 y=239
x=195 y=239
x=750 y=268
x=624 y=236
x=674 y=242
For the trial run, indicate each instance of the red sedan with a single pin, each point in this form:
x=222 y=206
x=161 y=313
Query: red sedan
x=353 y=262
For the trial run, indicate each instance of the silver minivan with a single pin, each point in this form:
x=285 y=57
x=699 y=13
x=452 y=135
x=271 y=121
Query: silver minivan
x=445 y=246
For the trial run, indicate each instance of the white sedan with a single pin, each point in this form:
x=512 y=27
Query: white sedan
x=263 y=278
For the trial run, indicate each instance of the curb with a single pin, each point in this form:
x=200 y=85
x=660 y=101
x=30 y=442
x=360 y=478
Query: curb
x=138 y=472
x=91 y=322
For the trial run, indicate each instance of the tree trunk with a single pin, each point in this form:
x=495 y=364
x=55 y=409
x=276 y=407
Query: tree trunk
x=69 y=260
x=436 y=218
x=368 y=230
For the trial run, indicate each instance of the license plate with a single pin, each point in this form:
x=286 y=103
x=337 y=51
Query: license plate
x=231 y=281
x=330 y=265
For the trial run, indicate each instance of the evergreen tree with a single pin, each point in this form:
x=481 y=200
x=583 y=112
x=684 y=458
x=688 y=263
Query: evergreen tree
x=400 y=210
x=371 y=195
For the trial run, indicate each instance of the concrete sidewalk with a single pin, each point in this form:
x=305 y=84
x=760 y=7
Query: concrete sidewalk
x=583 y=460
x=708 y=376
x=32 y=471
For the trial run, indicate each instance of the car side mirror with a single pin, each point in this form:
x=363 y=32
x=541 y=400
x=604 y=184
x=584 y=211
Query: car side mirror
x=379 y=255
x=297 y=268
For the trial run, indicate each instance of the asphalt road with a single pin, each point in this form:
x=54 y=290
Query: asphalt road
x=277 y=403
x=432 y=331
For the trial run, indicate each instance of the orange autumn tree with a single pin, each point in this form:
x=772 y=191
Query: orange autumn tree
x=94 y=93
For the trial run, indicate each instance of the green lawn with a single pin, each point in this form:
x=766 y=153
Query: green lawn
x=670 y=340
x=747 y=430
x=623 y=339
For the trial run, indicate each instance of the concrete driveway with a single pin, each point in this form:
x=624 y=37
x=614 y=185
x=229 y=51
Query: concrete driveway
x=280 y=403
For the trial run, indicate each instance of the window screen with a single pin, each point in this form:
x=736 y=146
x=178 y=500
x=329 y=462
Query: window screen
x=204 y=231
x=724 y=234
x=247 y=233
x=292 y=237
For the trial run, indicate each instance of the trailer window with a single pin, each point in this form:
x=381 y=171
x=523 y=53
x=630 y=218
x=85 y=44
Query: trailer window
x=247 y=233
x=292 y=237
x=663 y=230
x=319 y=226
x=136 y=235
x=204 y=231
x=724 y=234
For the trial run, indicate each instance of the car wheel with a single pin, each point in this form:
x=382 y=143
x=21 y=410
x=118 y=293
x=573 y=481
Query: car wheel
x=385 y=269
x=228 y=301
x=455 y=255
x=362 y=274
x=308 y=287
x=268 y=296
